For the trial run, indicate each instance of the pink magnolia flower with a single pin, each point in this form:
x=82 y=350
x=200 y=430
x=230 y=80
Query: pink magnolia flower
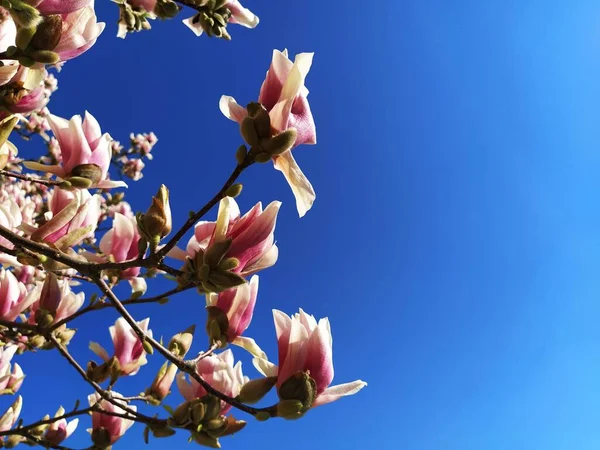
x=239 y=15
x=121 y=243
x=60 y=430
x=220 y=373
x=253 y=241
x=13 y=296
x=82 y=145
x=238 y=305
x=128 y=346
x=71 y=214
x=284 y=95
x=46 y=7
x=8 y=34
x=10 y=218
x=161 y=386
x=11 y=375
x=56 y=297
x=106 y=430
x=11 y=416
x=306 y=346
x=79 y=32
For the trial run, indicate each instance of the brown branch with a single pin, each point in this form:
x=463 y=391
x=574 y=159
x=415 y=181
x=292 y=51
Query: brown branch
x=134 y=301
x=39 y=423
x=20 y=176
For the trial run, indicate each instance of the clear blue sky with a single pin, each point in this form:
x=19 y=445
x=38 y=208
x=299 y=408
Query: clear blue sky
x=454 y=241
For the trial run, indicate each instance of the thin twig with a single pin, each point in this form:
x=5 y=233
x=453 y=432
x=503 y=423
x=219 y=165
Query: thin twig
x=20 y=176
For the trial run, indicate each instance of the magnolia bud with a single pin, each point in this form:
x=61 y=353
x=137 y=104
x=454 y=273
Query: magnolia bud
x=240 y=155
x=289 y=409
x=91 y=172
x=157 y=220
x=301 y=387
x=248 y=131
x=216 y=325
x=180 y=344
x=101 y=437
x=25 y=15
x=45 y=56
x=262 y=120
x=253 y=391
x=281 y=143
x=262 y=157
x=24 y=36
x=234 y=190
x=48 y=33
x=166 y=9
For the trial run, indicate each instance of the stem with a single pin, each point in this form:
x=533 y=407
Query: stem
x=138 y=301
x=20 y=176
x=39 y=423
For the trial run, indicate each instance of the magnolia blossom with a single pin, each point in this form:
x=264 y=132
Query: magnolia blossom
x=252 y=236
x=121 y=243
x=284 y=95
x=60 y=430
x=8 y=34
x=79 y=32
x=13 y=296
x=161 y=386
x=305 y=346
x=239 y=15
x=55 y=297
x=84 y=151
x=220 y=373
x=128 y=346
x=238 y=305
x=73 y=216
x=11 y=416
x=10 y=218
x=46 y=7
x=11 y=375
x=106 y=430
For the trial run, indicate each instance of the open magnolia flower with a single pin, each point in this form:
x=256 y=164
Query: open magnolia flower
x=46 y=7
x=80 y=30
x=220 y=373
x=84 y=150
x=284 y=96
x=305 y=364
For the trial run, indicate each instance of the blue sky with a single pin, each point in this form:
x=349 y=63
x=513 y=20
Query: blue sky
x=454 y=239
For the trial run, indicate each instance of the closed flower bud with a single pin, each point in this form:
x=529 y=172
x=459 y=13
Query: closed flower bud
x=240 y=155
x=24 y=14
x=290 y=409
x=234 y=190
x=217 y=325
x=161 y=386
x=253 y=391
x=48 y=33
x=24 y=36
x=156 y=222
x=248 y=131
x=180 y=344
x=281 y=143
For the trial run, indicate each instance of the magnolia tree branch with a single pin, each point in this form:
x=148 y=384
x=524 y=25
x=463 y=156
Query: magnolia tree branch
x=182 y=365
x=20 y=176
x=134 y=301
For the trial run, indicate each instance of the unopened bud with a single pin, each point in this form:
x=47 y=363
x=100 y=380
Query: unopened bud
x=281 y=143
x=92 y=172
x=262 y=120
x=289 y=409
x=157 y=220
x=26 y=61
x=301 y=387
x=248 y=131
x=45 y=56
x=180 y=344
x=25 y=15
x=240 y=155
x=147 y=347
x=234 y=190
x=24 y=36
x=101 y=437
x=262 y=157
x=80 y=183
x=48 y=33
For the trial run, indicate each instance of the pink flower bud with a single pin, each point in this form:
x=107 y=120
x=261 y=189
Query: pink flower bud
x=238 y=305
x=284 y=96
x=128 y=346
x=305 y=347
x=46 y=7
x=79 y=32
x=106 y=430
x=252 y=236
x=60 y=430
x=121 y=243
x=13 y=296
x=220 y=373
x=161 y=386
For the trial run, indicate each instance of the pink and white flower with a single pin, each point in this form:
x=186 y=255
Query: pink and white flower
x=46 y=7
x=284 y=96
x=239 y=15
x=305 y=346
x=128 y=346
x=252 y=236
x=121 y=243
x=56 y=297
x=82 y=146
x=11 y=375
x=80 y=30
x=13 y=296
x=106 y=430
x=220 y=373
x=60 y=430
x=11 y=416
